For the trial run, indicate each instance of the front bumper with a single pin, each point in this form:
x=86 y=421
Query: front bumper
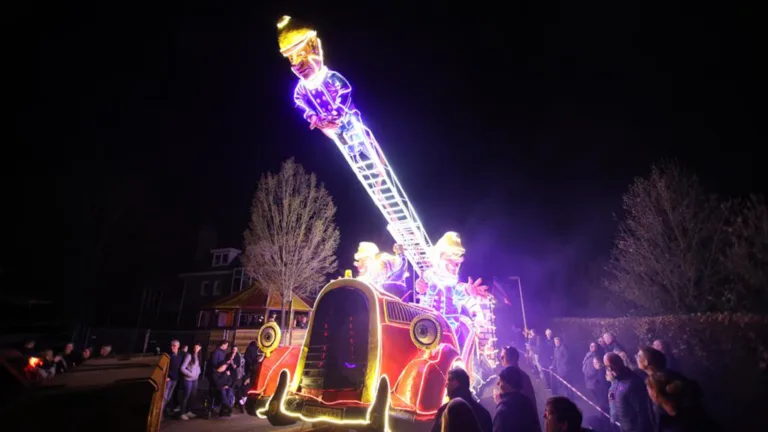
x=313 y=411
x=255 y=402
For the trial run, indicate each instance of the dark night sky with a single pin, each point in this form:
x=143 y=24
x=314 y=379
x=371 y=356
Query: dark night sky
x=517 y=125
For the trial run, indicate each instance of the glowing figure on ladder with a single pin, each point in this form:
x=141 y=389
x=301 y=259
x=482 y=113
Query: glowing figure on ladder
x=325 y=99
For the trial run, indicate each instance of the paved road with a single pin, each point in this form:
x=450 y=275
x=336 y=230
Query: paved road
x=245 y=423
x=236 y=423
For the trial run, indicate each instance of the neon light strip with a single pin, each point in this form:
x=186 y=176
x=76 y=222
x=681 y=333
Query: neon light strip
x=324 y=419
x=420 y=240
x=271 y=370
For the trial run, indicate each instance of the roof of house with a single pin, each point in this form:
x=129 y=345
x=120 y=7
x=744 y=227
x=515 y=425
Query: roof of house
x=256 y=299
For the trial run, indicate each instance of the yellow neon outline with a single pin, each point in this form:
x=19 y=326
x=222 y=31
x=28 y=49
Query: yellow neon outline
x=374 y=336
x=287 y=51
x=260 y=412
x=283 y=22
x=438 y=338
x=266 y=380
x=278 y=334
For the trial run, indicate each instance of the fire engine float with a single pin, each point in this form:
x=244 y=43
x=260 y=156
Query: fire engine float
x=370 y=356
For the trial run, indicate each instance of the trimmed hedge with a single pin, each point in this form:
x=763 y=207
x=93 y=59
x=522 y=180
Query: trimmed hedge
x=725 y=353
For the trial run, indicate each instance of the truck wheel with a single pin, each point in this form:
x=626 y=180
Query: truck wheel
x=274 y=415
x=380 y=409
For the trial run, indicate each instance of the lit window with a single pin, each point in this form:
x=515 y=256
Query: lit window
x=220 y=259
x=204 y=288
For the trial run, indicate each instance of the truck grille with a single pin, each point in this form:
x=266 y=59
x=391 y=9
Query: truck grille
x=337 y=358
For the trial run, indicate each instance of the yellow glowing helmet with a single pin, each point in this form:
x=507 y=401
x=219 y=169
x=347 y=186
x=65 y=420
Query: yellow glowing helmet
x=366 y=250
x=292 y=34
x=449 y=244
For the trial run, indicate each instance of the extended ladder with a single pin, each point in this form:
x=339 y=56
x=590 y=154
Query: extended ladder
x=369 y=164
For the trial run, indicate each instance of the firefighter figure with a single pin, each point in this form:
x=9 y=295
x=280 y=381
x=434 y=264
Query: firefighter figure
x=323 y=96
x=384 y=271
x=440 y=289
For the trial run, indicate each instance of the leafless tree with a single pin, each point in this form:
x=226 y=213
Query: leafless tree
x=291 y=244
x=747 y=255
x=667 y=253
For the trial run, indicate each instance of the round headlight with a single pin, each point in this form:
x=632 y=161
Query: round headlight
x=269 y=338
x=426 y=332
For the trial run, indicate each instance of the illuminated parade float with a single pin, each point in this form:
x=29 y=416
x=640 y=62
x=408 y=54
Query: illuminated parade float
x=374 y=353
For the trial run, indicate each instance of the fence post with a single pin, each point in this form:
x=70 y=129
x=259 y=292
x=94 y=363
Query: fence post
x=146 y=341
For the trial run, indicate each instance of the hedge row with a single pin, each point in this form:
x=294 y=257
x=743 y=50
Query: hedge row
x=726 y=353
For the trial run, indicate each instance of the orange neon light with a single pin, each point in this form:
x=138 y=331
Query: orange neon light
x=278 y=363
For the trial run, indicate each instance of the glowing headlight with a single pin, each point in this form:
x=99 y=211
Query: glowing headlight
x=269 y=338
x=426 y=332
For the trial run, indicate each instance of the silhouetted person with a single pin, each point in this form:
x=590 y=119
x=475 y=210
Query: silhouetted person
x=665 y=349
x=174 y=373
x=510 y=357
x=594 y=380
x=561 y=366
x=632 y=410
x=562 y=415
x=611 y=343
x=86 y=355
x=546 y=357
x=27 y=349
x=652 y=361
x=220 y=379
x=106 y=352
x=515 y=412
x=457 y=386
x=683 y=412
x=458 y=417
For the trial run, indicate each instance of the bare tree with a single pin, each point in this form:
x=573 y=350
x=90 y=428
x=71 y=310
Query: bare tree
x=747 y=255
x=667 y=253
x=291 y=244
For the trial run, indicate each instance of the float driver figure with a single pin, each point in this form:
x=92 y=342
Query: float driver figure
x=383 y=270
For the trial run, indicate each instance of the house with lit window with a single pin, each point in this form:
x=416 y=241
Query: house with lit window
x=223 y=277
x=239 y=316
x=218 y=273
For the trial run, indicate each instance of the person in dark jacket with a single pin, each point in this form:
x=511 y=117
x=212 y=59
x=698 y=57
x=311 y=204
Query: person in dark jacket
x=665 y=349
x=683 y=412
x=174 y=373
x=219 y=378
x=458 y=417
x=561 y=366
x=27 y=349
x=562 y=415
x=632 y=409
x=546 y=357
x=515 y=412
x=253 y=358
x=594 y=380
x=511 y=357
x=457 y=386
x=652 y=361
x=532 y=345
x=70 y=357
x=237 y=374
x=595 y=350
x=611 y=344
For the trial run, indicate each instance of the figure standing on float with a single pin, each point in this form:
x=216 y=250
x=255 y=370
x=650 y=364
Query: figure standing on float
x=440 y=289
x=383 y=270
